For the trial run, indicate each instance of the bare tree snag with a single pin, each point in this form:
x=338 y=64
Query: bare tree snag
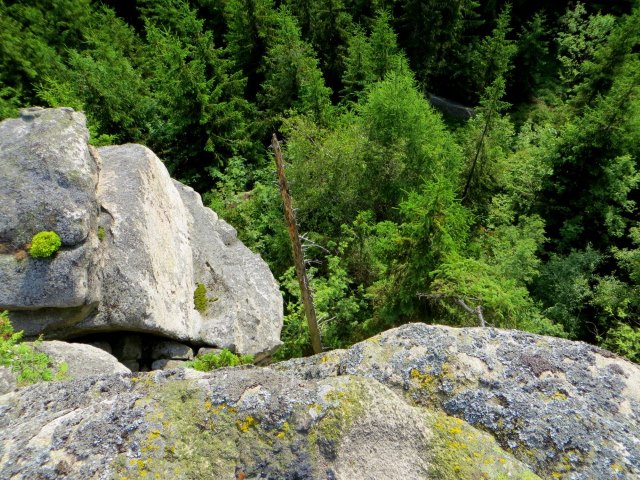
x=478 y=311
x=474 y=311
x=298 y=258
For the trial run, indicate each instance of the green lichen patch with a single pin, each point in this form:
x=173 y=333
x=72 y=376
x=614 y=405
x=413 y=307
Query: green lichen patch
x=101 y=233
x=426 y=387
x=459 y=451
x=187 y=436
x=342 y=405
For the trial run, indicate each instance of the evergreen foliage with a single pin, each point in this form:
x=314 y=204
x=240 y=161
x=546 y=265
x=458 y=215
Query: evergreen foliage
x=29 y=365
x=525 y=206
x=211 y=361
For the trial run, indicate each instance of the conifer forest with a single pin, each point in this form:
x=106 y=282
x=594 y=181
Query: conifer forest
x=458 y=162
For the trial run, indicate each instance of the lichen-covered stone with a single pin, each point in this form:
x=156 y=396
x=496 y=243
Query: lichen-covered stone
x=424 y=402
x=47 y=183
x=230 y=423
x=568 y=409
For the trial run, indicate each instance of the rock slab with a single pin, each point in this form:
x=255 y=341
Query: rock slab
x=236 y=423
x=48 y=180
x=418 y=402
x=568 y=409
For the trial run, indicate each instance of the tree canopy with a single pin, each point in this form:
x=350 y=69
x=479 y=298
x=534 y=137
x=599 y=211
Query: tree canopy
x=520 y=213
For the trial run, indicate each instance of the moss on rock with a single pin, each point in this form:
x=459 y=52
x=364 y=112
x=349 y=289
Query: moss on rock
x=44 y=244
x=188 y=436
x=200 y=301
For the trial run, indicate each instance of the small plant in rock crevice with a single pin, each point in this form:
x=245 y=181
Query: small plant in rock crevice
x=200 y=298
x=211 y=361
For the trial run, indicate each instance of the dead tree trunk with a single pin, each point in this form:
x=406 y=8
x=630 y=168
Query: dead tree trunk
x=478 y=312
x=298 y=258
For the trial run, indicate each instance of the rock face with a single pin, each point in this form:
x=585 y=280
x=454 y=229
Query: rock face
x=417 y=402
x=239 y=295
x=135 y=245
x=47 y=182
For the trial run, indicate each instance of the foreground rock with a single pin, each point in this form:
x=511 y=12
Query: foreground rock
x=135 y=245
x=417 y=402
x=255 y=422
x=567 y=409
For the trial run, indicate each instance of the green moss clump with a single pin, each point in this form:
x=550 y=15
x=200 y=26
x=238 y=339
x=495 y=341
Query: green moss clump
x=44 y=244
x=29 y=365
x=211 y=361
x=200 y=298
x=101 y=233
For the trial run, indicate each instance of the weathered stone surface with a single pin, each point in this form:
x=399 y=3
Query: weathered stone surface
x=7 y=380
x=130 y=238
x=171 y=350
x=415 y=402
x=237 y=423
x=83 y=360
x=244 y=311
x=166 y=364
x=568 y=409
x=47 y=182
x=147 y=273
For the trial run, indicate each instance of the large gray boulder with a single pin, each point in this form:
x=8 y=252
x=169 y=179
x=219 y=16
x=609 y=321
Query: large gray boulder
x=147 y=274
x=416 y=402
x=238 y=423
x=135 y=245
